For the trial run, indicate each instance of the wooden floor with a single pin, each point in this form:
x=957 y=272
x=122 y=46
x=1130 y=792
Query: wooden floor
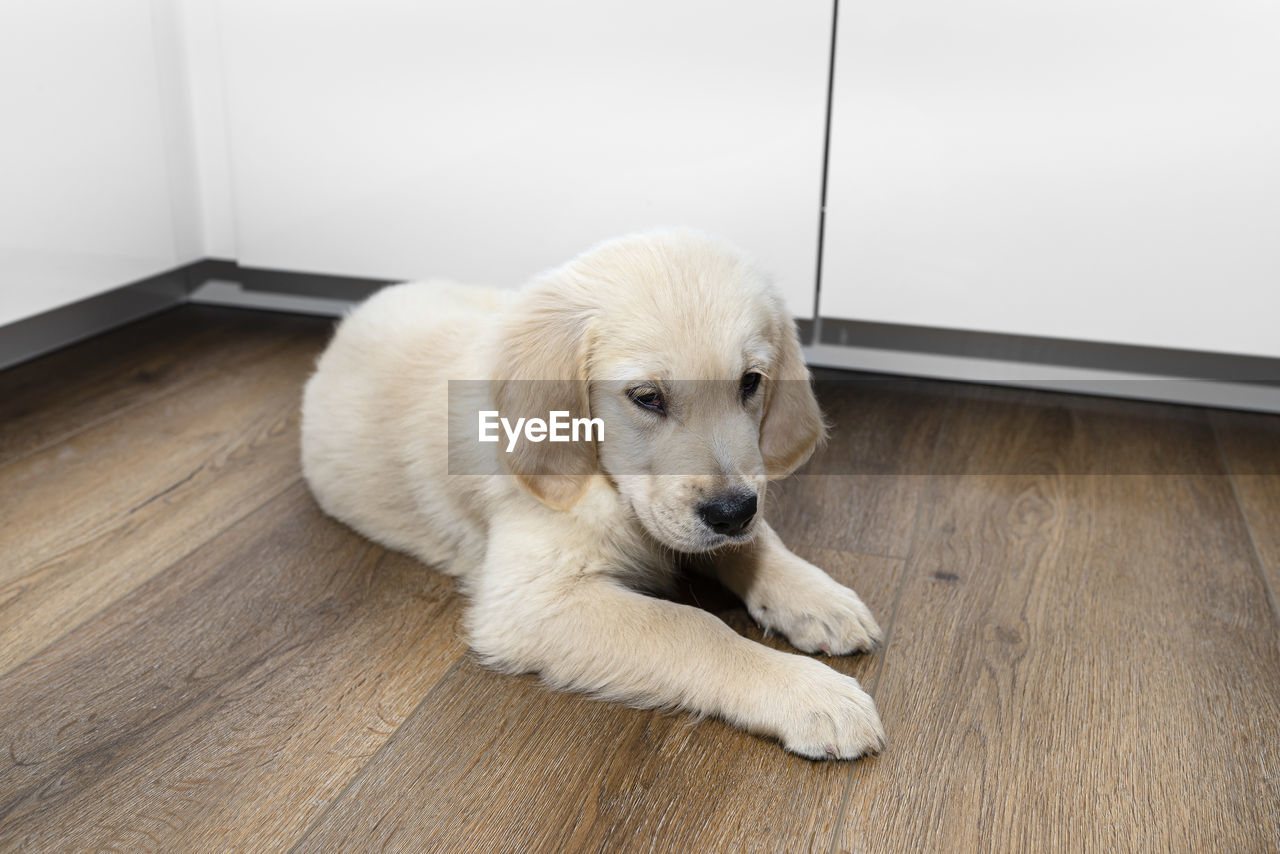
x=1079 y=594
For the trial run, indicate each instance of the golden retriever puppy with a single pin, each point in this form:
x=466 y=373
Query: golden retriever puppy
x=686 y=359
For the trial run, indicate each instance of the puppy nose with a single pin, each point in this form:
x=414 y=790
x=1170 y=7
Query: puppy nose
x=730 y=513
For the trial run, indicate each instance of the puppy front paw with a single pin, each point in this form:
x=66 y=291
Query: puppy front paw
x=816 y=614
x=823 y=714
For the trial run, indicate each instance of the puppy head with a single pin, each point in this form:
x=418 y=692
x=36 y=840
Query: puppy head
x=691 y=361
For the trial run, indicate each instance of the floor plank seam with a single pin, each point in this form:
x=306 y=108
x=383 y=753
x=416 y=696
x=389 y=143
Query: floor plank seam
x=371 y=761
x=1244 y=520
x=159 y=575
x=846 y=798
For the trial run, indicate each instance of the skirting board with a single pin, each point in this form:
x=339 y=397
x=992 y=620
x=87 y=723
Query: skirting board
x=1209 y=387
x=1186 y=377
x=33 y=336
x=1071 y=379
x=236 y=295
x=1081 y=367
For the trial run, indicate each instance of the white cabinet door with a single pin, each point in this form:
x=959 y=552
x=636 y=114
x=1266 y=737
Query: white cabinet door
x=91 y=155
x=487 y=141
x=1093 y=170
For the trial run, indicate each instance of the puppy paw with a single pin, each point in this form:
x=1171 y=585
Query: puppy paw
x=823 y=714
x=815 y=613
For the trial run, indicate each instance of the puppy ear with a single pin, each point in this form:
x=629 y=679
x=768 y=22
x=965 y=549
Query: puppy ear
x=542 y=368
x=792 y=427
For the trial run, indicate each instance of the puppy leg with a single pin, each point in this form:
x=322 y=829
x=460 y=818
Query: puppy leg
x=592 y=634
x=788 y=594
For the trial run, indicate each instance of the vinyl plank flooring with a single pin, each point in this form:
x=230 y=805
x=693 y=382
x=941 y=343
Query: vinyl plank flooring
x=1083 y=655
x=861 y=491
x=224 y=703
x=1251 y=446
x=94 y=515
x=498 y=763
x=57 y=395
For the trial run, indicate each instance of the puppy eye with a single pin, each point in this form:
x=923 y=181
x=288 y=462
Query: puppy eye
x=648 y=398
x=750 y=382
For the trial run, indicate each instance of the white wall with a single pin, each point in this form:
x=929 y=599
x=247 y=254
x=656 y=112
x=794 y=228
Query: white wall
x=1094 y=170
x=487 y=141
x=93 y=165
x=1103 y=171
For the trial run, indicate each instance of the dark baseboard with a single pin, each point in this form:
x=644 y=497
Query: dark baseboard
x=34 y=336
x=1027 y=349
x=1181 y=376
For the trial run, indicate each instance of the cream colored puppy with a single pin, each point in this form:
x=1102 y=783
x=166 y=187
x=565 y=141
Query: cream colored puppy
x=690 y=363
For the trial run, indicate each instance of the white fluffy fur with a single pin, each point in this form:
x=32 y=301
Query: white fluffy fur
x=553 y=564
